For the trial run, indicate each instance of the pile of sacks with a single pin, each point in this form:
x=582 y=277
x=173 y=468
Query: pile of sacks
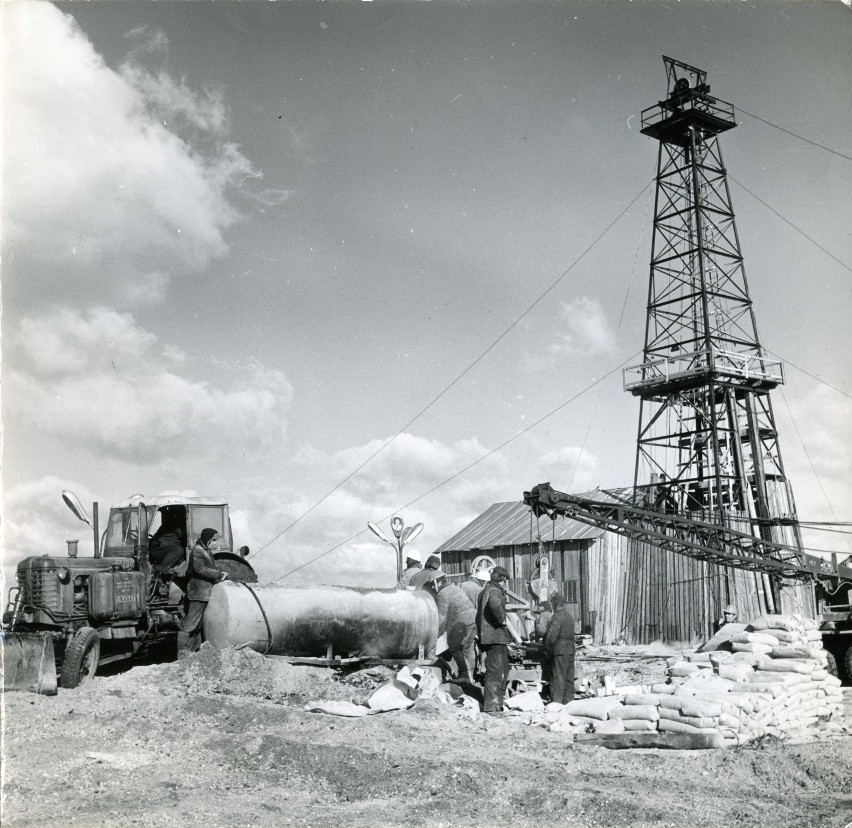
x=770 y=678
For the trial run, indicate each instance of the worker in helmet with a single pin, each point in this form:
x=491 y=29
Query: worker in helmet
x=420 y=579
x=729 y=616
x=473 y=585
x=456 y=617
x=412 y=565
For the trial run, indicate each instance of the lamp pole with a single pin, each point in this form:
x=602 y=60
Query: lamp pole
x=403 y=535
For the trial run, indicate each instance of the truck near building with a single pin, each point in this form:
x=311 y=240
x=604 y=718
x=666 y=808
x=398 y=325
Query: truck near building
x=69 y=615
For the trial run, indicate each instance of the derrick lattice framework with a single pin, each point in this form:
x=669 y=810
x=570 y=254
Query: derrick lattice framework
x=707 y=445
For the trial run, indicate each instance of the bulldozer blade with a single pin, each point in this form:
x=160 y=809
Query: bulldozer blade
x=29 y=663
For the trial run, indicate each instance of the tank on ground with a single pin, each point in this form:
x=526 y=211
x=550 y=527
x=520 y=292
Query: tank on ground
x=298 y=620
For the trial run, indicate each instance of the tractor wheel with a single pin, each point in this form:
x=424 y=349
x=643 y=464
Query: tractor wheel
x=483 y=562
x=81 y=658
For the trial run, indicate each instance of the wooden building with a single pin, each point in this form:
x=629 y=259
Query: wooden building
x=618 y=590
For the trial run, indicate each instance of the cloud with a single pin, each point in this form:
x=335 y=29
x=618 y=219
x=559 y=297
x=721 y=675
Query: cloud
x=36 y=521
x=412 y=468
x=409 y=467
x=114 y=180
x=817 y=452
x=100 y=383
x=585 y=329
x=571 y=467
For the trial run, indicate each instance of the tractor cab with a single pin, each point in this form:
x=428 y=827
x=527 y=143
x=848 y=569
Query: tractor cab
x=135 y=523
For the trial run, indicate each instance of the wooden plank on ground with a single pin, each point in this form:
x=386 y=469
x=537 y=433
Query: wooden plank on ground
x=665 y=741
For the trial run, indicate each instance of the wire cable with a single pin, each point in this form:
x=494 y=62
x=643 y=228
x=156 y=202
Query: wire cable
x=470 y=465
x=618 y=328
x=800 y=137
x=813 y=468
x=467 y=370
x=790 y=223
x=808 y=373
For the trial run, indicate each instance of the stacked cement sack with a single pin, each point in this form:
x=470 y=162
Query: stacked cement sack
x=772 y=681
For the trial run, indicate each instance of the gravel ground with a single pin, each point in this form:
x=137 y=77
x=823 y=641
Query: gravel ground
x=221 y=739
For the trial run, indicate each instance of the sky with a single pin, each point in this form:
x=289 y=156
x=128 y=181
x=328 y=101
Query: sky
x=245 y=245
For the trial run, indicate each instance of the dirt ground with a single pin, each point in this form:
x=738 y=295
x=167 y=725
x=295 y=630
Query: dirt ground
x=221 y=739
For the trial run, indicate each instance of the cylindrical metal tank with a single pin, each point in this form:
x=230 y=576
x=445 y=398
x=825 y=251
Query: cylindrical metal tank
x=305 y=620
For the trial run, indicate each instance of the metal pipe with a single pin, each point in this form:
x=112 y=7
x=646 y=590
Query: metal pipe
x=306 y=620
x=97 y=552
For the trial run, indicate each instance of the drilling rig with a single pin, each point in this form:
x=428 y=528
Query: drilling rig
x=709 y=480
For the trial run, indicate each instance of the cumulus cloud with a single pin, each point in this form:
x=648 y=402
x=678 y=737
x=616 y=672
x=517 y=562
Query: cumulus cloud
x=102 y=384
x=408 y=468
x=36 y=521
x=585 y=329
x=115 y=180
x=412 y=468
x=574 y=468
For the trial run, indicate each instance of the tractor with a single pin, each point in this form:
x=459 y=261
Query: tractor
x=67 y=616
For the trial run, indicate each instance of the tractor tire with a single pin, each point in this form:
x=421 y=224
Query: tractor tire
x=81 y=658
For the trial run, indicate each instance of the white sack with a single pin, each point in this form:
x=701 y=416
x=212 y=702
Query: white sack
x=597 y=708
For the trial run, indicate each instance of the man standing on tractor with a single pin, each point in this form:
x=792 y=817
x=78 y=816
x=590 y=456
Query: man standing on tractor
x=494 y=639
x=203 y=573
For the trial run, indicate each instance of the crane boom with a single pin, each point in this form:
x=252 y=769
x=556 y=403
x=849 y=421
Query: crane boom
x=711 y=542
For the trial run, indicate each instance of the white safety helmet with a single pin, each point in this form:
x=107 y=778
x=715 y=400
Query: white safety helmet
x=412 y=555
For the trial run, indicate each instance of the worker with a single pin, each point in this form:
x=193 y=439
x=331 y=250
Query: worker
x=167 y=550
x=203 y=573
x=494 y=639
x=664 y=500
x=420 y=579
x=412 y=565
x=729 y=616
x=473 y=585
x=244 y=551
x=545 y=613
x=559 y=646
x=457 y=618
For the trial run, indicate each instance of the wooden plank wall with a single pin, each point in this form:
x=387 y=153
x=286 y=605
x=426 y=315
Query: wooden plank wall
x=642 y=594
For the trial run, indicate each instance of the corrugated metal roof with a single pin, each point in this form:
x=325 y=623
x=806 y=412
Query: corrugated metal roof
x=508 y=524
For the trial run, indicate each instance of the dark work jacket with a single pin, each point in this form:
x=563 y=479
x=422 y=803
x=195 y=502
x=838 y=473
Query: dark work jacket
x=559 y=638
x=166 y=551
x=491 y=616
x=407 y=574
x=422 y=577
x=541 y=624
x=471 y=588
x=202 y=574
x=454 y=609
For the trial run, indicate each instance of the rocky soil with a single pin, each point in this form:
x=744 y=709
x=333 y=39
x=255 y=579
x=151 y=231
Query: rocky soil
x=221 y=739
